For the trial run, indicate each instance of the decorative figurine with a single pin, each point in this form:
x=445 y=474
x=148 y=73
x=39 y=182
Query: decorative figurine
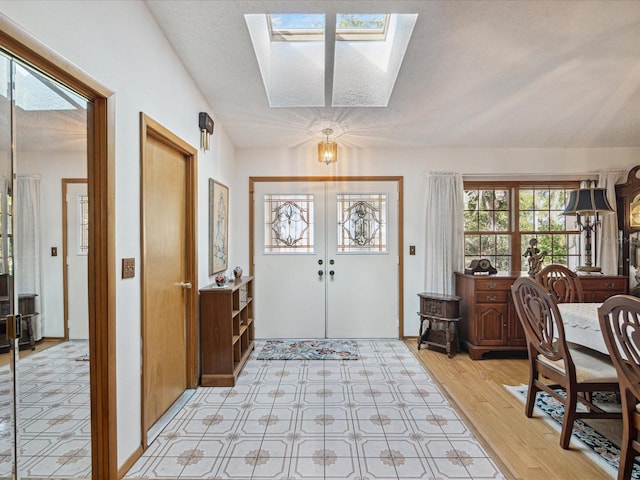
x=237 y=273
x=534 y=257
x=221 y=280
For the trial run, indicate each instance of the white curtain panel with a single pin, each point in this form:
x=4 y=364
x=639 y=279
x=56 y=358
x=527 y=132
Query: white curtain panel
x=444 y=232
x=607 y=243
x=27 y=243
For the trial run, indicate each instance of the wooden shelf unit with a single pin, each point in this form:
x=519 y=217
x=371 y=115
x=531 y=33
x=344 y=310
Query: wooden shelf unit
x=226 y=331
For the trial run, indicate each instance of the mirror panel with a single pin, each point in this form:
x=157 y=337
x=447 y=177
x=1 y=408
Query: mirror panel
x=7 y=346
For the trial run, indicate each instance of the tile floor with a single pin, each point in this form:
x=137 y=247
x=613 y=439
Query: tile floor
x=54 y=428
x=379 y=417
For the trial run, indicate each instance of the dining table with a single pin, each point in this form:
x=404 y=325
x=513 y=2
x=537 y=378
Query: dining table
x=582 y=325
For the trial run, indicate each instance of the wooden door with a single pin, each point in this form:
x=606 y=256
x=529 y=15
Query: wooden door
x=168 y=266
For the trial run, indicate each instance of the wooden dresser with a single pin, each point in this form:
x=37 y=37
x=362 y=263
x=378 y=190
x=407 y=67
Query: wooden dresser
x=489 y=322
x=226 y=331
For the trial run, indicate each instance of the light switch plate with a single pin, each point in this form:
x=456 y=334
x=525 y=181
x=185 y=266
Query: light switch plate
x=128 y=267
x=412 y=249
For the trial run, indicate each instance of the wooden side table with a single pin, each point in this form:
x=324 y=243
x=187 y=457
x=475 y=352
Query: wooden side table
x=439 y=315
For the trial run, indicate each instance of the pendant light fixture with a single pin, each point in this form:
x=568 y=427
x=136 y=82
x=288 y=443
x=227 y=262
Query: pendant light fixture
x=328 y=148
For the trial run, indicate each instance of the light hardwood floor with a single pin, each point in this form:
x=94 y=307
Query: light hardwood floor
x=41 y=345
x=525 y=448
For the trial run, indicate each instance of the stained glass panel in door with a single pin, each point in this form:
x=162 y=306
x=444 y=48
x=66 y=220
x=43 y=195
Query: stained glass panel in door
x=362 y=221
x=289 y=223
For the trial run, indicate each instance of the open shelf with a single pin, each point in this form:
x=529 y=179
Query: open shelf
x=226 y=331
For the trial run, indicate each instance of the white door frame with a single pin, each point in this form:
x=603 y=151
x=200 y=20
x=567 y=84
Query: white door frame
x=400 y=232
x=65 y=250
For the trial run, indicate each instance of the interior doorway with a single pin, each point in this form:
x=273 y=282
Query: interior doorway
x=329 y=251
x=75 y=249
x=100 y=162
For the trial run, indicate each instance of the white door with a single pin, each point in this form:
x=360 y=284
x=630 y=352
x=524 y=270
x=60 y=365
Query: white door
x=326 y=257
x=362 y=251
x=291 y=292
x=77 y=265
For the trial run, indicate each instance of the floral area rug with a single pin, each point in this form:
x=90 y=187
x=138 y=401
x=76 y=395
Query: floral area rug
x=598 y=439
x=309 y=350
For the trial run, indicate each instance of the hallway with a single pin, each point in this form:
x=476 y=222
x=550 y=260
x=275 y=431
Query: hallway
x=377 y=417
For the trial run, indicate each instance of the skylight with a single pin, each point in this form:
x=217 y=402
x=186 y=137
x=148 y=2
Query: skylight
x=361 y=26
x=362 y=52
x=300 y=27
x=296 y=26
x=38 y=93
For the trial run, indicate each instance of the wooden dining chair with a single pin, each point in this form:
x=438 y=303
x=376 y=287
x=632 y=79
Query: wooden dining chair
x=563 y=283
x=620 y=326
x=554 y=366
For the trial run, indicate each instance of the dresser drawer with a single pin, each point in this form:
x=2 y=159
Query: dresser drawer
x=597 y=288
x=617 y=285
x=493 y=284
x=498 y=296
x=439 y=308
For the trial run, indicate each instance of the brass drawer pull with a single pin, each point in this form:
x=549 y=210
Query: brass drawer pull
x=492 y=298
x=609 y=285
x=492 y=285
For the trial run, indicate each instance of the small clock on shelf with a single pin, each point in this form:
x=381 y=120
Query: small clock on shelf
x=480 y=265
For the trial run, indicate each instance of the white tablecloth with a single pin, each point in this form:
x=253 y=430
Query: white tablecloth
x=581 y=325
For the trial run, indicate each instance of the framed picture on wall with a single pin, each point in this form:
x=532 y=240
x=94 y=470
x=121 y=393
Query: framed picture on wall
x=218 y=227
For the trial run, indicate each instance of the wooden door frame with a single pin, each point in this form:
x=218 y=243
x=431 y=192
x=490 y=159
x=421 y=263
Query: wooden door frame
x=102 y=263
x=397 y=179
x=151 y=128
x=65 y=252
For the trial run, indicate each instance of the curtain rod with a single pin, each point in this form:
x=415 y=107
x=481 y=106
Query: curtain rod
x=548 y=176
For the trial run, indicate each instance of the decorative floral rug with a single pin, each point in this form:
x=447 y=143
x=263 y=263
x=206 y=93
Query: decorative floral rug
x=594 y=444
x=309 y=350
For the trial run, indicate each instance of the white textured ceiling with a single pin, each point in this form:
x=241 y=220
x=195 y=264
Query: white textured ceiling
x=475 y=74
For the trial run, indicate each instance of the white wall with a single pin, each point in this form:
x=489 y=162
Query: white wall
x=412 y=164
x=119 y=44
x=52 y=168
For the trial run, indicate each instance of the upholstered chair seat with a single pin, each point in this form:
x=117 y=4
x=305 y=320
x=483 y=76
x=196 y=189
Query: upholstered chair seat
x=591 y=366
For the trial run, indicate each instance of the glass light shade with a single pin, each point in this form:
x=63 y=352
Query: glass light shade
x=328 y=152
x=588 y=202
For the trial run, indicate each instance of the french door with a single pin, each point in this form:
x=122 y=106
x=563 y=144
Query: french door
x=326 y=259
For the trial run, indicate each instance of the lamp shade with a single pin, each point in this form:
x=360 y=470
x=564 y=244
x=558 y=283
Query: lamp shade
x=328 y=149
x=327 y=152
x=588 y=201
